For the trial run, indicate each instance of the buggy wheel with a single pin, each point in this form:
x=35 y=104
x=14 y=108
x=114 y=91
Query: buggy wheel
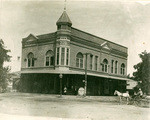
x=137 y=103
x=145 y=103
x=131 y=102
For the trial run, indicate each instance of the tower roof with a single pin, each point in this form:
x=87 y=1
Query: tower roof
x=64 y=19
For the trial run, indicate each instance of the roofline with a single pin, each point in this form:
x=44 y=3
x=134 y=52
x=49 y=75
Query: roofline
x=39 y=35
x=45 y=34
x=99 y=37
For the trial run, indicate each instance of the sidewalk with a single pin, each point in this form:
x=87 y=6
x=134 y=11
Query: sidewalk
x=67 y=97
x=93 y=98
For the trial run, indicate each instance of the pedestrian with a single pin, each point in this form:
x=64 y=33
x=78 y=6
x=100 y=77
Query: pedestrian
x=65 y=90
x=75 y=90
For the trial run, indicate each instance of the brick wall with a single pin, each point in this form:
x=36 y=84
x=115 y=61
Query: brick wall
x=39 y=53
x=74 y=49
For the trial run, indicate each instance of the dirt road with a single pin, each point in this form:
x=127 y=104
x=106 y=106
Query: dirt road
x=68 y=107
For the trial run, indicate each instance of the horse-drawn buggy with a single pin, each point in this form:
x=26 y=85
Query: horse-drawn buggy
x=137 y=100
x=141 y=101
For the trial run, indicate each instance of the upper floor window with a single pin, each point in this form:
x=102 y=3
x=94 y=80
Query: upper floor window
x=63 y=37
x=105 y=65
x=49 y=58
x=67 y=57
x=91 y=61
x=30 y=59
x=116 y=67
x=62 y=56
x=112 y=66
x=64 y=27
x=122 y=71
x=79 y=60
x=59 y=27
x=96 y=59
x=58 y=55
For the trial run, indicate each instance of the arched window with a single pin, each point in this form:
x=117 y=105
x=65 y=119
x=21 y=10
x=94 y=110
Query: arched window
x=49 y=58
x=116 y=67
x=91 y=62
x=79 y=60
x=30 y=59
x=112 y=66
x=96 y=60
x=122 y=71
x=105 y=65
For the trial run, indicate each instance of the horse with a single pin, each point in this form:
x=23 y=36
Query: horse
x=121 y=95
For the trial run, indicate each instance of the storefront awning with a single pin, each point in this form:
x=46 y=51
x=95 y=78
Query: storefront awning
x=76 y=72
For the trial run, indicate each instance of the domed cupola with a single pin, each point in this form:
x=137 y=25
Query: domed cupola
x=64 y=20
x=63 y=42
x=64 y=23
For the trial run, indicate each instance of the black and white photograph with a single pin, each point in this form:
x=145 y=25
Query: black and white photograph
x=74 y=59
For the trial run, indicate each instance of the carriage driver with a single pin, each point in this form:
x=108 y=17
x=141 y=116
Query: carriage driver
x=140 y=93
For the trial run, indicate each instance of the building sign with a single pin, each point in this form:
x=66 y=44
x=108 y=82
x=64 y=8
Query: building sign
x=81 y=91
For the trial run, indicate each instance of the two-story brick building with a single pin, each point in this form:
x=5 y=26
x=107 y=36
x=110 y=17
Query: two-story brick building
x=45 y=57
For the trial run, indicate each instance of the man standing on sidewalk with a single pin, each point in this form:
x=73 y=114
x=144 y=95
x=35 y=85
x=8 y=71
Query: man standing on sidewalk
x=65 y=90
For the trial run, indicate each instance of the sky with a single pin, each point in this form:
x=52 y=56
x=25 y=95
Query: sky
x=123 y=22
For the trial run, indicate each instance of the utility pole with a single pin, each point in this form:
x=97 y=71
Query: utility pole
x=60 y=76
x=85 y=86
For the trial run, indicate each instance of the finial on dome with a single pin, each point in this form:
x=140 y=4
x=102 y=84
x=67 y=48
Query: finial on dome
x=64 y=19
x=65 y=5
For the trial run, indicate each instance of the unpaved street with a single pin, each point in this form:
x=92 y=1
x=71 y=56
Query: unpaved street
x=67 y=107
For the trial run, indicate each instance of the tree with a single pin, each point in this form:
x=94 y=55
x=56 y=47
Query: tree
x=142 y=74
x=3 y=70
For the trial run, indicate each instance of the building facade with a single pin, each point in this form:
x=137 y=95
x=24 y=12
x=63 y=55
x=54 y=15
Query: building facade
x=45 y=57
